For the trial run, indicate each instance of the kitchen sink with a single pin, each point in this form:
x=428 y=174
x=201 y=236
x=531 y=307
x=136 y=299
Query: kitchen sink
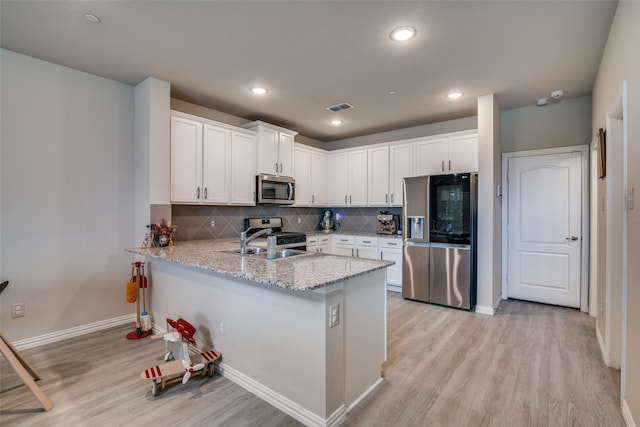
x=262 y=253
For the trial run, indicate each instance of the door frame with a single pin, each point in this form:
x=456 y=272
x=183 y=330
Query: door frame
x=584 y=243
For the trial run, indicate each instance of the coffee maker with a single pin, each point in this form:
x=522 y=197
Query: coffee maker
x=389 y=223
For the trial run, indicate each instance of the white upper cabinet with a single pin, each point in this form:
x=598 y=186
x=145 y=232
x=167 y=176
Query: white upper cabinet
x=378 y=174
x=186 y=160
x=310 y=173
x=211 y=163
x=447 y=155
x=348 y=178
x=275 y=148
x=401 y=165
x=243 y=169
x=302 y=175
x=463 y=153
x=318 y=177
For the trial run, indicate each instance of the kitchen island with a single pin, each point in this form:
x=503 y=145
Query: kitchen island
x=307 y=333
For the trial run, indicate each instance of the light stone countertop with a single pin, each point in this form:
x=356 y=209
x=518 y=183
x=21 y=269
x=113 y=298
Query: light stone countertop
x=351 y=233
x=300 y=273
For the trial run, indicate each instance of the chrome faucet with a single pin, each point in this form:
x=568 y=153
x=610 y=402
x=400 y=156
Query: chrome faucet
x=244 y=240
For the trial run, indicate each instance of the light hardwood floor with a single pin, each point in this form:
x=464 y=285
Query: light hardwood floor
x=529 y=365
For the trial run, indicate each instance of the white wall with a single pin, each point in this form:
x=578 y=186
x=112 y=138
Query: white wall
x=564 y=124
x=621 y=62
x=67 y=196
x=489 y=207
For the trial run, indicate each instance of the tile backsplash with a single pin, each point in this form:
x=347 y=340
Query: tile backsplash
x=195 y=221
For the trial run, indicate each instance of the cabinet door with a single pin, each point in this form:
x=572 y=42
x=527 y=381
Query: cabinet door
x=367 y=252
x=401 y=162
x=285 y=154
x=394 y=273
x=268 y=151
x=301 y=174
x=343 y=250
x=338 y=179
x=431 y=157
x=378 y=176
x=357 y=178
x=243 y=169
x=186 y=160
x=216 y=167
x=318 y=178
x=463 y=154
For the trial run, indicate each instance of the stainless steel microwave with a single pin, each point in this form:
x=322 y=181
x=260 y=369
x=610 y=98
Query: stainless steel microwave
x=277 y=190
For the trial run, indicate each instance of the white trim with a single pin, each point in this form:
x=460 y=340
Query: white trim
x=482 y=309
x=364 y=395
x=626 y=414
x=284 y=404
x=603 y=347
x=584 y=271
x=73 y=332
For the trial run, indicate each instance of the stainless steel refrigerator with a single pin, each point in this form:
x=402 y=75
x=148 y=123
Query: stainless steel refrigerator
x=439 y=239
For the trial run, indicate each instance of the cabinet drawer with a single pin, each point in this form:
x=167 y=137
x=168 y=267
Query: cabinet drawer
x=313 y=240
x=324 y=240
x=344 y=240
x=391 y=243
x=366 y=241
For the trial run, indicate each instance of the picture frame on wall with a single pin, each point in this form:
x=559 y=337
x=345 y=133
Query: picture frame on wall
x=602 y=153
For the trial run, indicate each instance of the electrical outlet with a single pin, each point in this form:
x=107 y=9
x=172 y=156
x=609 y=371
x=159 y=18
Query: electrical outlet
x=334 y=315
x=213 y=223
x=223 y=329
x=17 y=310
x=299 y=220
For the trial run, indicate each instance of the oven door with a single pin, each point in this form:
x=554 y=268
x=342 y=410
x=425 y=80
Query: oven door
x=275 y=190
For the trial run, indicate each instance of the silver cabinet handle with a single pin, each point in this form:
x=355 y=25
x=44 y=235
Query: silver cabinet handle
x=449 y=165
x=280 y=167
x=349 y=199
x=391 y=197
x=572 y=238
x=276 y=167
x=366 y=241
x=386 y=198
x=351 y=252
x=205 y=192
x=392 y=244
x=198 y=193
x=357 y=253
x=313 y=199
x=345 y=199
x=443 y=166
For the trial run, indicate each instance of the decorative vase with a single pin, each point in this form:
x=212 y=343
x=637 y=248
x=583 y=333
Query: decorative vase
x=163 y=240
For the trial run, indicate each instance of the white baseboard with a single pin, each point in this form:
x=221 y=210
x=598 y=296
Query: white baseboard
x=364 y=395
x=73 y=332
x=601 y=344
x=485 y=310
x=394 y=288
x=286 y=405
x=626 y=414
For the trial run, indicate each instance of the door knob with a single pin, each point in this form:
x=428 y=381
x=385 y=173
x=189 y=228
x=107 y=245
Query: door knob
x=572 y=238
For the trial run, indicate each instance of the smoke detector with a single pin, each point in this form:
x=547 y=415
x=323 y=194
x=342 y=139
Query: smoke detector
x=557 y=94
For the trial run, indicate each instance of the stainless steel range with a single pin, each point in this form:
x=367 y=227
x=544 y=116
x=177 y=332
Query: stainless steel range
x=284 y=239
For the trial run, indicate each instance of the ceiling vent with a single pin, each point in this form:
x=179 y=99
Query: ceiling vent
x=340 y=107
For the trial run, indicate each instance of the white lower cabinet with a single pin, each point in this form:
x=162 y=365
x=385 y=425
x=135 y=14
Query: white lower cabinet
x=391 y=250
x=344 y=245
x=367 y=247
x=319 y=244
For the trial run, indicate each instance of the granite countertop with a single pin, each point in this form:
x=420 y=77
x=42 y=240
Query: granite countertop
x=300 y=273
x=351 y=233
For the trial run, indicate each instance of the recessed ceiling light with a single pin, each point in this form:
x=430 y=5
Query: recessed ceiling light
x=91 y=18
x=402 y=34
x=336 y=122
x=454 y=95
x=259 y=90
x=393 y=92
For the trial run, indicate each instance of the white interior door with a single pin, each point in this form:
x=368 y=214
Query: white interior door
x=544 y=228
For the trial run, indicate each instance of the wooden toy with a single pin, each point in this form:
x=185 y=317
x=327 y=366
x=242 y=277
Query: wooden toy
x=179 y=364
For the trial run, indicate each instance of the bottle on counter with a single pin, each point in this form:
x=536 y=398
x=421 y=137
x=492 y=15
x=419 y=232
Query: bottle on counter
x=271 y=247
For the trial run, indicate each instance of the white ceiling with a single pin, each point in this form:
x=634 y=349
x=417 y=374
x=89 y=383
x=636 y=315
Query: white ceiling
x=313 y=54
